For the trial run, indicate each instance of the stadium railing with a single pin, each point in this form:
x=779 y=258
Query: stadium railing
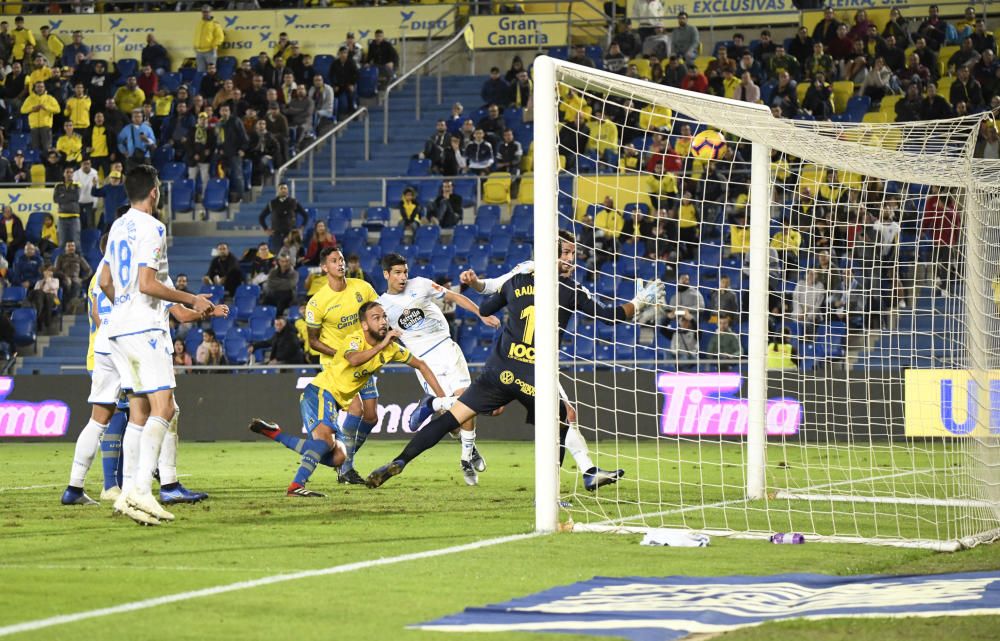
x=310 y=151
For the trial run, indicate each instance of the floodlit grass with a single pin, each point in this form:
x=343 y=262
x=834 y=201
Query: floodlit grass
x=57 y=560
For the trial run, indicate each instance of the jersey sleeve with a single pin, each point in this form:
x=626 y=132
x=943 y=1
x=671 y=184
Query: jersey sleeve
x=585 y=302
x=149 y=247
x=368 y=292
x=497 y=301
x=429 y=289
x=314 y=315
x=493 y=285
x=399 y=353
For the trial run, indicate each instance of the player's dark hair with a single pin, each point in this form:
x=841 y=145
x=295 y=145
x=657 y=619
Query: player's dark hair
x=391 y=260
x=327 y=251
x=139 y=182
x=363 y=310
x=568 y=236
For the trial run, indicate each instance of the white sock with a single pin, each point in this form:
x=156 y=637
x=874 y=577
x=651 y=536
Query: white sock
x=87 y=445
x=468 y=443
x=443 y=403
x=168 y=453
x=149 y=453
x=578 y=448
x=130 y=454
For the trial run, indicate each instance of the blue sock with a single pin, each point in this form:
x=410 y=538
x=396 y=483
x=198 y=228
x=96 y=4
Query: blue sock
x=312 y=453
x=363 y=432
x=350 y=430
x=294 y=443
x=111 y=450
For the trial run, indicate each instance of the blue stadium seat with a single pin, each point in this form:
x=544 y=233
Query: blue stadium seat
x=270 y=312
x=370 y=260
x=192 y=340
x=90 y=238
x=171 y=82
x=376 y=218
x=20 y=141
x=428 y=190
x=353 y=240
x=522 y=222
x=217 y=292
x=13 y=296
x=217 y=195
x=518 y=254
x=390 y=238
x=127 y=67
x=394 y=191
x=466 y=188
x=500 y=242
x=487 y=219
x=368 y=82
x=182 y=195
x=479 y=258
x=339 y=221
x=33 y=229
x=260 y=327
x=226 y=66
x=425 y=239
x=322 y=64
x=222 y=325
x=418 y=167
x=464 y=239
x=245 y=301
x=237 y=349
x=25 y=322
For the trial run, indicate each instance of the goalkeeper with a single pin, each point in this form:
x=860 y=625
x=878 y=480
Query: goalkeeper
x=573 y=297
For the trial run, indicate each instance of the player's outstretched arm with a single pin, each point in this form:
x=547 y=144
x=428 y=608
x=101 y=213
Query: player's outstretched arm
x=316 y=344
x=362 y=356
x=493 y=285
x=466 y=304
x=184 y=314
x=428 y=375
x=150 y=286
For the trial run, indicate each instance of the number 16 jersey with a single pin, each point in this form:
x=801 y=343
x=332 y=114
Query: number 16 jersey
x=136 y=240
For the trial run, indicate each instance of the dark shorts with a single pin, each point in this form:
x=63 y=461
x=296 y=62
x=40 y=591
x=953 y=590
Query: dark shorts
x=495 y=387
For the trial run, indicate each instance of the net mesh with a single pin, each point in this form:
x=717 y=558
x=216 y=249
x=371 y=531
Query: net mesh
x=882 y=273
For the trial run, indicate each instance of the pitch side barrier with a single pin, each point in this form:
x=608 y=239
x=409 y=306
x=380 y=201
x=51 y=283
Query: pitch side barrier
x=217 y=407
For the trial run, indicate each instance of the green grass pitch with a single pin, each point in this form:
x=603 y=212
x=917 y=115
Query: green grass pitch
x=58 y=560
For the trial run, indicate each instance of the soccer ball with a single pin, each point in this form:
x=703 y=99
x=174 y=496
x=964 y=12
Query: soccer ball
x=708 y=145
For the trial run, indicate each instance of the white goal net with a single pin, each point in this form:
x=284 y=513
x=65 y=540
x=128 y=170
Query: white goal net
x=825 y=362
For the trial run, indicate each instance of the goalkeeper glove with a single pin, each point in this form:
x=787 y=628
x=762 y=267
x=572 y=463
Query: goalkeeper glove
x=651 y=293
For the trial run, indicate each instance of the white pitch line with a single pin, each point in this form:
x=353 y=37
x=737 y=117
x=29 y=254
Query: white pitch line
x=145 y=604
x=143 y=568
x=28 y=487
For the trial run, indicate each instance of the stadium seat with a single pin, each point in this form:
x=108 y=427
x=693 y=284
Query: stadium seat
x=225 y=66
x=237 y=349
x=496 y=189
x=260 y=327
x=376 y=218
x=466 y=188
x=215 y=292
x=487 y=218
x=182 y=196
x=425 y=239
x=20 y=141
x=428 y=190
x=270 y=312
x=322 y=64
x=518 y=254
x=222 y=325
x=479 y=258
x=390 y=239
x=25 y=322
x=368 y=82
x=842 y=92
x=90 y=238
x=13 y=296
x=464 y=239
x=522 y=222
x=127 y=67
x=370 y=258
x=171 y=82
x=245 y=301
x=394 y=191
x=500 y=242
x=526 y=191
x=353 y=240
x=192 y=340
x=857 y=107
x=217 y=195
x=339 y=221
x=418 y=167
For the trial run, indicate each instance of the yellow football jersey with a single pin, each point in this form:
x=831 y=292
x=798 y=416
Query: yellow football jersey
x=336 y=313
x=342 y=379
x=95 y=299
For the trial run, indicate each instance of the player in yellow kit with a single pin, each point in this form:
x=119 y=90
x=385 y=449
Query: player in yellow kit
x=356 y=357
x=332 y=314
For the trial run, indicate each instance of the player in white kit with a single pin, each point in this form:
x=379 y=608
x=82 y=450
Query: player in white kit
x=134 y=276
x=410 y=307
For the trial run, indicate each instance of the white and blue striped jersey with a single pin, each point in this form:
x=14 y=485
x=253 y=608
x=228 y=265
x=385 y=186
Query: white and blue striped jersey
x=414 y=313
x=136 y=240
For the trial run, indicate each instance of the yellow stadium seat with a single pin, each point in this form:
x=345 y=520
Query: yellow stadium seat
x=878 y=116
x=889 y=104
x=526 y=191
x=641 y=66
x=654 y=117
x=842 y=92
x=496 y=189
x=528 y=159
x=811 y=178
x=944 y=55
x=944 y=87
x=702 y=62
x=801 y=89
x=38 y=174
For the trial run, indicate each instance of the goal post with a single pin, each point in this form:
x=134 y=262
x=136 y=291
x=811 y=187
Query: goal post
x=826 y=361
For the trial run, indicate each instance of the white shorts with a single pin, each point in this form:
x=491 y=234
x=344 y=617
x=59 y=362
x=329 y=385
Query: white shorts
x=144 y=360
x=105 y=383
x=448 y=364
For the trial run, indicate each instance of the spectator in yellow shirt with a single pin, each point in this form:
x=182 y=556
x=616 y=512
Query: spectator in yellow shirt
x=786 y=244
x=687 y=226
x=40 y=107
x=603 y=135
x=78 y=108
x=739 y=235
x=208 y=37
x=40 y=71
x=608 y=224
x=21 y=37
x=70 y=144
x=50 y=45
x=312 y=356
x=129 y=97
